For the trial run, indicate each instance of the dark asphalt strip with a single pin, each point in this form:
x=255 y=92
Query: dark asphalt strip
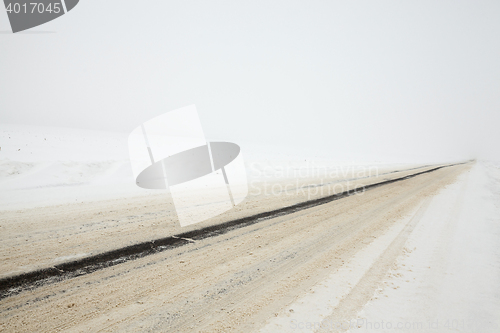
x=27 y=281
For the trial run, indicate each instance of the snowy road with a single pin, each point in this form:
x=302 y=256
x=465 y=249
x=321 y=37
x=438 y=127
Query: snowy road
x=246 y=279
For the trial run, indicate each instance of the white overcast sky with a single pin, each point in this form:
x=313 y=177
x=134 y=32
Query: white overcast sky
x=378 y=77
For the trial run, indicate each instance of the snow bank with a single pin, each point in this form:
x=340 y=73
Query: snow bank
x=448 y=280
x=42 y=166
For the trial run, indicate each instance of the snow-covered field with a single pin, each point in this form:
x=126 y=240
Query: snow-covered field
x=41 y=166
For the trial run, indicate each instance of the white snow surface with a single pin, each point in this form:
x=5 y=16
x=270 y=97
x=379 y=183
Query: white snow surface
x=446 y=281
x=42 y=166
x=449 y=282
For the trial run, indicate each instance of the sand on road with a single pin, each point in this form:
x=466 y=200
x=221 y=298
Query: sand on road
x=237 y=281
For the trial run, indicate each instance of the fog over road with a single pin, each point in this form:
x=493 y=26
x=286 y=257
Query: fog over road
x=321 y=97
